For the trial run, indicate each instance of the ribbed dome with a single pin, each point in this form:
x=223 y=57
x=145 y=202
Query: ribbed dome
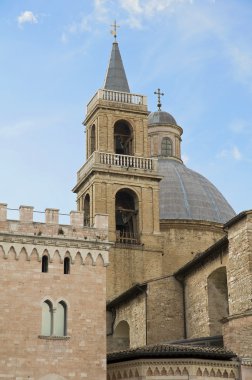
x=161 y=117
x=185 y=194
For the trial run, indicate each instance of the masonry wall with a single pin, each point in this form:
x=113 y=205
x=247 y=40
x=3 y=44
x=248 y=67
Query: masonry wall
x=129 y=265
x=165 y=315
x=134 y=313
x=238 y=326
x=184 y=239
x=196 y=297
x=24 y=352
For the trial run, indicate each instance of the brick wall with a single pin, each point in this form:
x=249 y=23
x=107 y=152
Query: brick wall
x=24 y=353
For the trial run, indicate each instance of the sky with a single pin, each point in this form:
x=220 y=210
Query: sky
x=54 y=56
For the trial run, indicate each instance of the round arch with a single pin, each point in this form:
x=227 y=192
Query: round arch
x=123 y=137
x=122 y=335
x=217 y=299
x=126 y=216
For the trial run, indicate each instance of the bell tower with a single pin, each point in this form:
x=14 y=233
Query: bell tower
x=120 y=179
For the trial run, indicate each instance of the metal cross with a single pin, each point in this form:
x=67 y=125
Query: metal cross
x=159 y=94
x=114 y=30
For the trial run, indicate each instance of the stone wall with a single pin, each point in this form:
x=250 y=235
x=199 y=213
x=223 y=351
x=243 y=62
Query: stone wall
x=196 y=296
x=134 y=313
x=184 y=239
x=165 y=318
x=24 y=287
x=238 y=326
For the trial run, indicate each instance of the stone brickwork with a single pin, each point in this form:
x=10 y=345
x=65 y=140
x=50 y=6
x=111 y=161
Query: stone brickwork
x=25 y=352
x=154 y=314
x=240 y=265
x=130 y=265
x=184 y=239
x=134 y=313
x=174 y=369
x=237 y=334
x=238 y=326
x=165 y=318
x=196 y=297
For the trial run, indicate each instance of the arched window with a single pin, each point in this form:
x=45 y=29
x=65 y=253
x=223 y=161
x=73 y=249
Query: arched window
x=87 y=210
x=122 y=335
x=66 y=265
x=47 y=318
x=44 y=264
x=217 y=300
x=60 y=328
x=123 y=138
x=126 y=209
x=92 y=139
x=166 y=147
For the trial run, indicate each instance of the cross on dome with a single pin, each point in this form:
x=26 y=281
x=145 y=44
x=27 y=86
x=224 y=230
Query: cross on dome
x=159 y=94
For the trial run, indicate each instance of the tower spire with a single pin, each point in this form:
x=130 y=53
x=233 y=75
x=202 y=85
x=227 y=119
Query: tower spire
x=116 y=79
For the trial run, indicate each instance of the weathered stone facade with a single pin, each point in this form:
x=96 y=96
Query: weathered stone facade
x=26 y=352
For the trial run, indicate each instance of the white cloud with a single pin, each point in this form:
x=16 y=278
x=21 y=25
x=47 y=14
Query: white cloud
x=27 y=17
x=236 y=154
x=233 y=153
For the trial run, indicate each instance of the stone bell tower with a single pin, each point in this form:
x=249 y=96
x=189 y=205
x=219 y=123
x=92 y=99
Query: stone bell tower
x=121 y=180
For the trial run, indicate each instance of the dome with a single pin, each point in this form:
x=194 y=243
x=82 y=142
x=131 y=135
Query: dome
x=185 y=194
x=161 y=117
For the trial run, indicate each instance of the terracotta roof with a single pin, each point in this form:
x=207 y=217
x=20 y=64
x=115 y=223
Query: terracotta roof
x=170 y=351
x=199 y=259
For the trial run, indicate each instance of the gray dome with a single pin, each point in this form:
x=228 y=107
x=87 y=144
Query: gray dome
x=160 y=117
x=185 y=194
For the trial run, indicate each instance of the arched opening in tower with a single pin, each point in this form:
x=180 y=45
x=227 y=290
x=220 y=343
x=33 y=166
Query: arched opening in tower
x=86 y=209
x=92 y=139
x=123 y=138
x=217 y=299
x=126 y=209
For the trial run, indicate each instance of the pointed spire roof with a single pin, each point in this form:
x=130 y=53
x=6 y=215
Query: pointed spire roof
x=116 y=79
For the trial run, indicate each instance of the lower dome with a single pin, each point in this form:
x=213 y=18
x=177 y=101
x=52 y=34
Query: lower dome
x=185 y=194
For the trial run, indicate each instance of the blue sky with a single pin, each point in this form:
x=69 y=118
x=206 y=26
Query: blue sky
x=54 y=56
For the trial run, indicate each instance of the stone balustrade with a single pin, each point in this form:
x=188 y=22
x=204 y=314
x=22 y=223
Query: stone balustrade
x=117 y=96
x=117 y=160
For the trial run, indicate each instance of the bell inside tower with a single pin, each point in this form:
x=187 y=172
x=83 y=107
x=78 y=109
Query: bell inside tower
x=126 y=211
x=123 y=138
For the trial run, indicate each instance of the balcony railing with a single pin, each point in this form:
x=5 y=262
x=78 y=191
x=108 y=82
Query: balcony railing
x=127 y=238
x=117 y=96
x=117 y=160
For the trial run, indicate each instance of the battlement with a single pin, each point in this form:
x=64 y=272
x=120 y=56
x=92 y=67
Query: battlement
x=51 y=227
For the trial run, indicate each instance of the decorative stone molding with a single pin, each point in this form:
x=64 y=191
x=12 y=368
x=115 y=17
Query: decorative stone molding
x=179 y=369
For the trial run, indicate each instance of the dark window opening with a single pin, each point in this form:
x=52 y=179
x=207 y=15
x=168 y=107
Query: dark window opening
x=87 y=210
x=126 y=217
x=66 y=265
x=92 y=139
x=123 y=139
x=45 y=264
x=166 y=147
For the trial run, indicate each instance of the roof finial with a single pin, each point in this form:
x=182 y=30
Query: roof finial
x=159 y=94
x=114 y=30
